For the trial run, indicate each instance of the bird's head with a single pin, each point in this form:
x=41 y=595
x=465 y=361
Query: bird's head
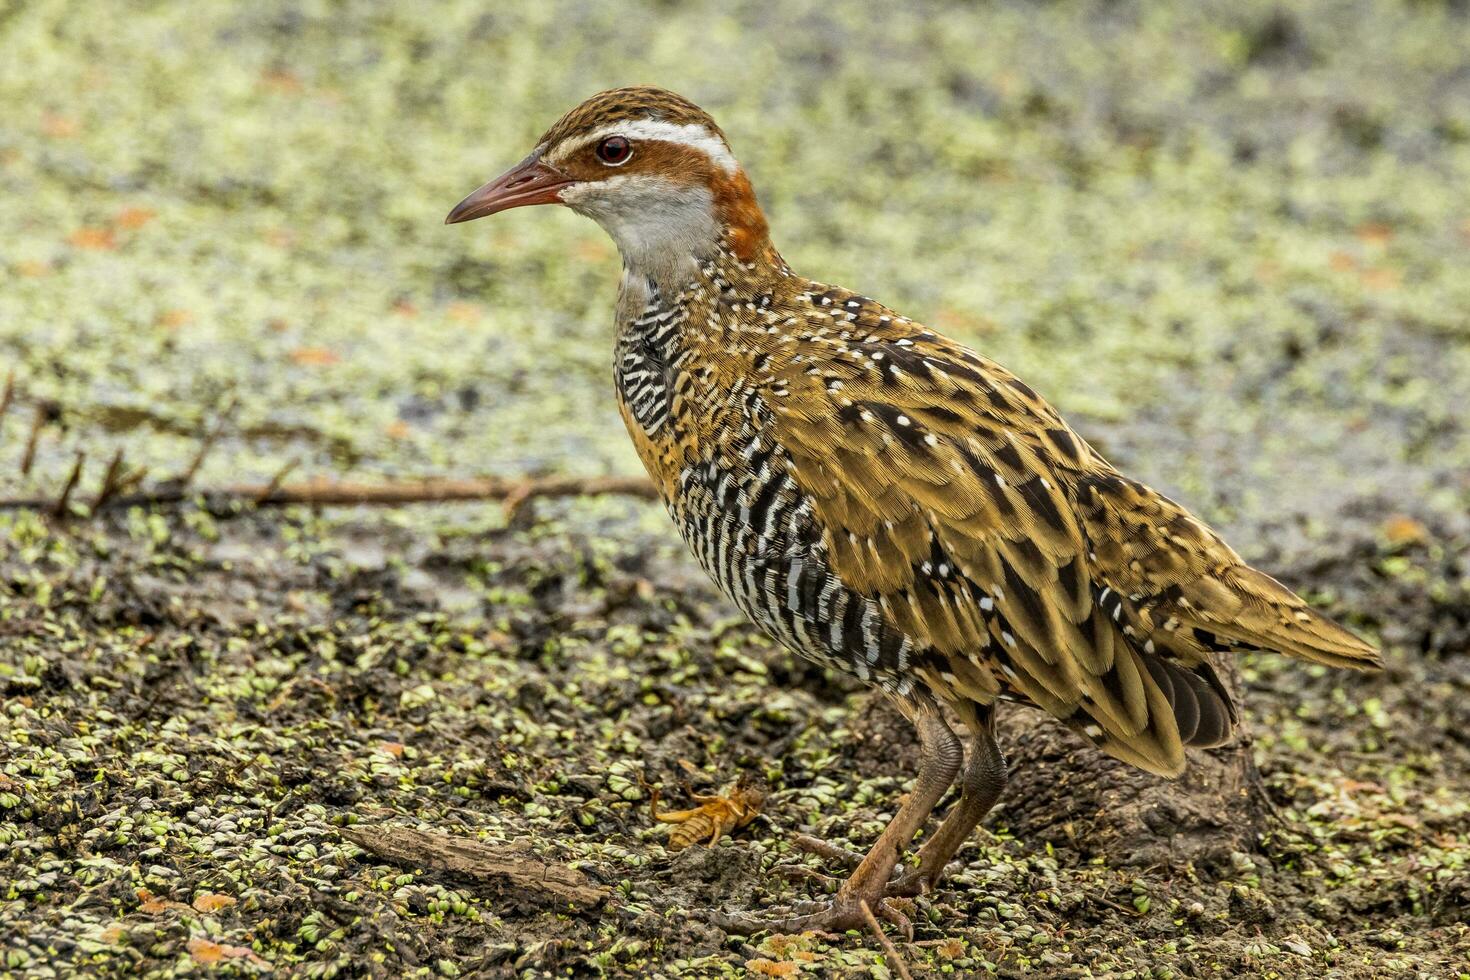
x=651 y=167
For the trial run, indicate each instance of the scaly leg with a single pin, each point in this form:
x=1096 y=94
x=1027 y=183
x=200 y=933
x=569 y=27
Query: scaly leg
x=980 y=786
x=939 y=763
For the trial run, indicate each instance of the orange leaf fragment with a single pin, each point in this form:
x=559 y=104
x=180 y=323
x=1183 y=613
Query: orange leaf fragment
x=961 y=321
x=281 y=80
x=100 y=239
x=152 y=905
x=1381 y=279
x=315 y=356
x=212 y=902
x=463 y=312
x=174 y=319
x=591 y=249
x=1403 y=529
x=391 y=748
x=58 y=127
x=772 y=968
x=207 y=952
x=950 y=949
x=397 y=429
x=1374 y=233
x=133 y=217
x=1359 y=786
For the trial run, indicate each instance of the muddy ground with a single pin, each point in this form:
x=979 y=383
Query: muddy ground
x=1230 y=241
x=194 y=706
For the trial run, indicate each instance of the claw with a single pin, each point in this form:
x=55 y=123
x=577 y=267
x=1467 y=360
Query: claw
x=887 y=911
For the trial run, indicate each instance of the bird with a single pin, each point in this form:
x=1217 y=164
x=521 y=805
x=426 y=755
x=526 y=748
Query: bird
x=887 y=502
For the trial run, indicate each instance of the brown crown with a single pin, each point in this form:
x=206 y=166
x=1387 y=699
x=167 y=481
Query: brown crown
x=636 y=102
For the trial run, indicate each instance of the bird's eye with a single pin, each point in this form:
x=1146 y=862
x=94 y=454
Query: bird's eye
x=614 y=151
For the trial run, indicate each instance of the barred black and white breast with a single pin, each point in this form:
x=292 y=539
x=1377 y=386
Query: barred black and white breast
x=752 y=529
x=738 y=508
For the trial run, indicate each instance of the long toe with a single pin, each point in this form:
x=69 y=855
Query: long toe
x=836 y=916
x=834 y=853
x=890 y=913
x=803 y=917
x=800 y=872
x=839 y=856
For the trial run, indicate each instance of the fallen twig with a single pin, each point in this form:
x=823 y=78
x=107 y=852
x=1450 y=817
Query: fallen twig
x=275 y=484
x=890 y=951
x=71 y=484
x=466 y=856
x=8 y=395
x=1104 y=900
x=45 y=411
x=109 y=481
x=206 y=444
x=129 y=482
x=345 y=493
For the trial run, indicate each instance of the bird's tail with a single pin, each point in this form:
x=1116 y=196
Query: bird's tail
x=1275 y=618
x=1187 y=706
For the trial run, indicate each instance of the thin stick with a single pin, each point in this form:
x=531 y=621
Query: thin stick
x=131 y=482
x=890 y=952
x=71 y=484
x=343 y=493
x=275 y=483
x=206 y=444
x=1103 y=900
x=8 y=395
x=38 y=423
x=109 y=482
x=515 y=500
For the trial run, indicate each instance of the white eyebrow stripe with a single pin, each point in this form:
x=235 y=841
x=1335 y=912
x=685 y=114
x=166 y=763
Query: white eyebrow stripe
x=686 y=134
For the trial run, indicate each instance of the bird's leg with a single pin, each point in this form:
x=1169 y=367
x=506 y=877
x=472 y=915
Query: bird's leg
x=981 y=784
x=939 y=763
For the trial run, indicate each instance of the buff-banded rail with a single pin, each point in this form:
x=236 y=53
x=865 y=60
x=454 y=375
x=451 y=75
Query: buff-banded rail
x=889 y=503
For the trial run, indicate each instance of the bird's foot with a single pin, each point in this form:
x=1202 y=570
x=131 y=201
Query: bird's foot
x=839 y=915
